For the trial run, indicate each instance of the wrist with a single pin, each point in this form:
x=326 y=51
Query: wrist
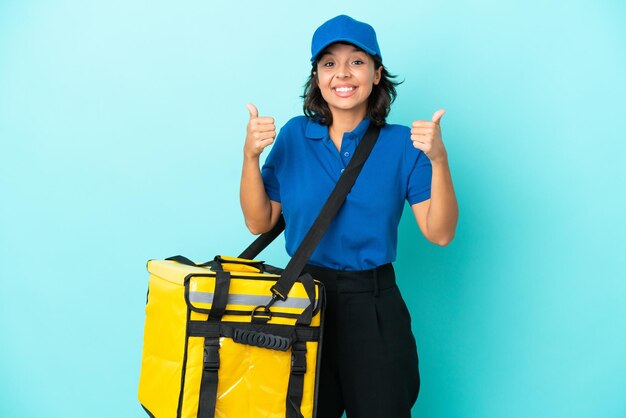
x=251 y=158
x=441 y=161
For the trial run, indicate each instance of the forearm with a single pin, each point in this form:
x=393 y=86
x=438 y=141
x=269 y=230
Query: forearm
x=443 y=212
x=255 y=203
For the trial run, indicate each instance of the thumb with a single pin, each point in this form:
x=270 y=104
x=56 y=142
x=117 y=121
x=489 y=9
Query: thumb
x=437 y=116
x=254 y=113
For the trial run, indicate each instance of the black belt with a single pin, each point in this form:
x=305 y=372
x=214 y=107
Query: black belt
x=355 y=281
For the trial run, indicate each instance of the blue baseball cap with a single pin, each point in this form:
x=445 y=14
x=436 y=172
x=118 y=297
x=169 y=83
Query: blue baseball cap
x=345 y=29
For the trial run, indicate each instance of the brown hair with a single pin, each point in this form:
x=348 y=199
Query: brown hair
x=378 y=104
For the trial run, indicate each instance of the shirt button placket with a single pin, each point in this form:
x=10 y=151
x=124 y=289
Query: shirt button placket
x=348 y=143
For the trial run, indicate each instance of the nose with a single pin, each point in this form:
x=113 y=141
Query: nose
x=343 y=71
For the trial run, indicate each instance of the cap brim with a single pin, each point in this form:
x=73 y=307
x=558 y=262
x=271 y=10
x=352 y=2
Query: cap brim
x=347 y=40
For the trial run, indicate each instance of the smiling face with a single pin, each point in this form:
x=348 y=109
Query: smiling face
x=345 y=76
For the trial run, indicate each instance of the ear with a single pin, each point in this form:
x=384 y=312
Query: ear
x=378 y=74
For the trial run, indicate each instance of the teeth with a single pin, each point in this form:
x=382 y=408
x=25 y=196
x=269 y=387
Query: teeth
x=344 y=89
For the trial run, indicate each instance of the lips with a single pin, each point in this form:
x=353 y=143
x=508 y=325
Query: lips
x=344 y=90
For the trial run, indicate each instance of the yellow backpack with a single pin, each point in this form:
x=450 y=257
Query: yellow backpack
x=210 y=343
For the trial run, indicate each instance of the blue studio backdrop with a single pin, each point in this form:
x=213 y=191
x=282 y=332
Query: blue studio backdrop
x=122 y=126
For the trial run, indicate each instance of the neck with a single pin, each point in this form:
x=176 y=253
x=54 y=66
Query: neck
x=344 y=122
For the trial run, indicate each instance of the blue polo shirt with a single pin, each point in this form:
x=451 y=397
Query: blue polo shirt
x=302 y=169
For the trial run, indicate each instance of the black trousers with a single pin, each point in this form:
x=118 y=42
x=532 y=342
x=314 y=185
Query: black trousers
x=369 y=358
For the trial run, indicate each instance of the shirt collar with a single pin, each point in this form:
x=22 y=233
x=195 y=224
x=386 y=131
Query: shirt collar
x=316 y=131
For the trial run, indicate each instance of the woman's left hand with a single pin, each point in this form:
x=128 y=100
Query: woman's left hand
x=426 y=136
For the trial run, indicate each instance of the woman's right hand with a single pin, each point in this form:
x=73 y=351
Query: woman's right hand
x=261 y=132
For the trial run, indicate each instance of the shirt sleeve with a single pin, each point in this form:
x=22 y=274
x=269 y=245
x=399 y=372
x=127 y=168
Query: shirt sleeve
x=271 y=170
x=419 y=179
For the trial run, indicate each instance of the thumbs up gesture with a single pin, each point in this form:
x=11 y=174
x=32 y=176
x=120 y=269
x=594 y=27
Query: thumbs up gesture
x=260 y=133
x=426 y=136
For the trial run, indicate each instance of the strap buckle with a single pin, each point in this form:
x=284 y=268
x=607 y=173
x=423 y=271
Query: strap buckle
x=211 y=355
x=276 y=295
x=298 y=358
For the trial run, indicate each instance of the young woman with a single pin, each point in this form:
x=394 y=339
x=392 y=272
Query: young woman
x=369 y=357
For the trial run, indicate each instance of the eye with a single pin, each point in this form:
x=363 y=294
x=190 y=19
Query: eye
x=329 y=64
x=357 y=62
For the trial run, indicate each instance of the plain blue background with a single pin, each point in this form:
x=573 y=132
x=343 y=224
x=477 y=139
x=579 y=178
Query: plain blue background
x=122 y=125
